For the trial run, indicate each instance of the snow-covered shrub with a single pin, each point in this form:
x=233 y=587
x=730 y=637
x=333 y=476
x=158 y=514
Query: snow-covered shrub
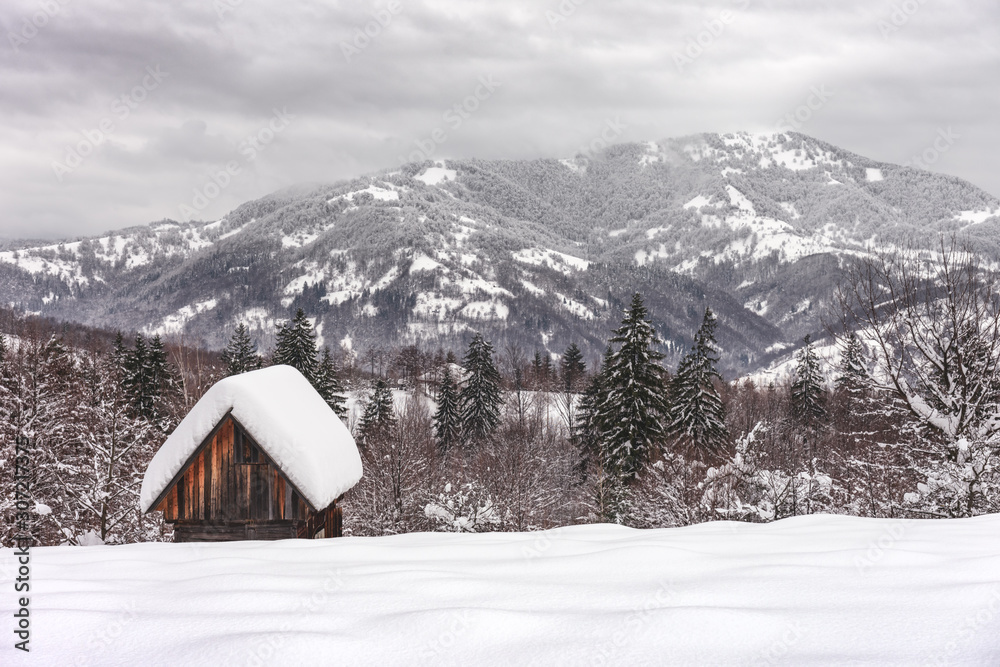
x=966 y=486
x=463 y=508
x=531 y=475
x=742 y=489
x=667 y=494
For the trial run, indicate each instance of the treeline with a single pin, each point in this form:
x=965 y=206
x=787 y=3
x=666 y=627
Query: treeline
x=89 y=419
x=905 y=425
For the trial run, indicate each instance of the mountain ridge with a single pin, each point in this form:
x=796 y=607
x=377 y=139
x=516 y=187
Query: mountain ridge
x=537 y=253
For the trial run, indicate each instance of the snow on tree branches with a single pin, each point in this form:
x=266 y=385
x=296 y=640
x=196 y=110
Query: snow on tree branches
x=697 y=415
x=632 y=407
x=480 y=397
x=240 y=355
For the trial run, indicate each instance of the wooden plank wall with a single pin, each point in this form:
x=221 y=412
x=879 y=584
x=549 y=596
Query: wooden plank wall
x=231 y=481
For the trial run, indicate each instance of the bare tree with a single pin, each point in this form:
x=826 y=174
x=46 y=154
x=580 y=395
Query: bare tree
x=931 y=324
x=388 y=500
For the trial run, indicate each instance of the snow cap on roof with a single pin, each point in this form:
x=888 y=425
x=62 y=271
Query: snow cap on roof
x=285 y=416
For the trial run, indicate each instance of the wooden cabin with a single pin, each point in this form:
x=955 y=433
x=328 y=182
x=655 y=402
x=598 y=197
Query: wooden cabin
x=260 y=477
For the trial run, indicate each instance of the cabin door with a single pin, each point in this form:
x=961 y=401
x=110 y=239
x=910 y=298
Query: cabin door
x=251 y=532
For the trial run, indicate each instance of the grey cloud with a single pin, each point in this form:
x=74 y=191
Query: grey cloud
x=560 y=83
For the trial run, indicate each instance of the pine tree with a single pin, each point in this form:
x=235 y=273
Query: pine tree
x=547 y=372
x=698 y=418
x=808 y=396
x=480 y=397
x=163 y=380
x=572 y=368
x=329 y=386
x=853 y=383
x=147 y=376
x=634 y=406
x=448 y=416
x=537 y=371
x=379 y=416
x=118 y=352
x=240 y=355
x=137 y=378
x=590 y=431
x=296 y=346
x=866 y=421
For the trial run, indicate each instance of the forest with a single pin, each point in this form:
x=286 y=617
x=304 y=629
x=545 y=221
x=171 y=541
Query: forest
x=905 y=423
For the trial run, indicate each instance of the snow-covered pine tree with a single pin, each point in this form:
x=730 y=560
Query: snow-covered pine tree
x=697 y=415
x=329 y=386
x=480 y=398
x=855 y=414
x=148 y=378
x=808 y=395
x=240 y=355
x=634 y=407
x=573 y=368
x=448 y=416
x=379 y=417
x=118 y=351
x=548 y=373
x=853 y=381
x=296 y=346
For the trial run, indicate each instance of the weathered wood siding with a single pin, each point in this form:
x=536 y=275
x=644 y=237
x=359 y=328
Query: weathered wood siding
x=231 y=481
x=220 y=532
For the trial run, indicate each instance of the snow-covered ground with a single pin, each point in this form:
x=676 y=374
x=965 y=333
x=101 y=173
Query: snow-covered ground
x=818 y=590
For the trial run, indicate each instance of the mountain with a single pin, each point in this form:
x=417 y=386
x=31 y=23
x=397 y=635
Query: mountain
x=539 y=253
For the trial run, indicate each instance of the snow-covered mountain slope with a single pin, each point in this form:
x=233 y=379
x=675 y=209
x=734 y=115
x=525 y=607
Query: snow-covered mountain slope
x=811 y=590
x=541 y=252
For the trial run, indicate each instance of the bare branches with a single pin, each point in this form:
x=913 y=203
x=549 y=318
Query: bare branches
x=932 y=324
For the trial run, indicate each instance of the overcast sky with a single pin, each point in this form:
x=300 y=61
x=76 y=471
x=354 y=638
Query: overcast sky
x=115 y=113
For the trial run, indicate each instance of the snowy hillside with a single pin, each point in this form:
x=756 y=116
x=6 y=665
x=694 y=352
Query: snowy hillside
x=817 y=590
x=545 y=252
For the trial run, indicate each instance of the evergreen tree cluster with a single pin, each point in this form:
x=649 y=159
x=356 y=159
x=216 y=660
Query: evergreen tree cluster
x=240 y=355
x=145 y=374
x=469 y=413
x=632 y=410
x=296 y=347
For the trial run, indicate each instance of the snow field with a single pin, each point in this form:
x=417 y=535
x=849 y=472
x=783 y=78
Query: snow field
x=552 y=259
x=816 y=590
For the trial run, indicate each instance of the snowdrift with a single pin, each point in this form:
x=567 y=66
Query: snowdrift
x=815 y=590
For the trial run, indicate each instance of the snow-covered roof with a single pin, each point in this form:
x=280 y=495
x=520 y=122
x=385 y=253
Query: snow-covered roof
x=285 y=416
